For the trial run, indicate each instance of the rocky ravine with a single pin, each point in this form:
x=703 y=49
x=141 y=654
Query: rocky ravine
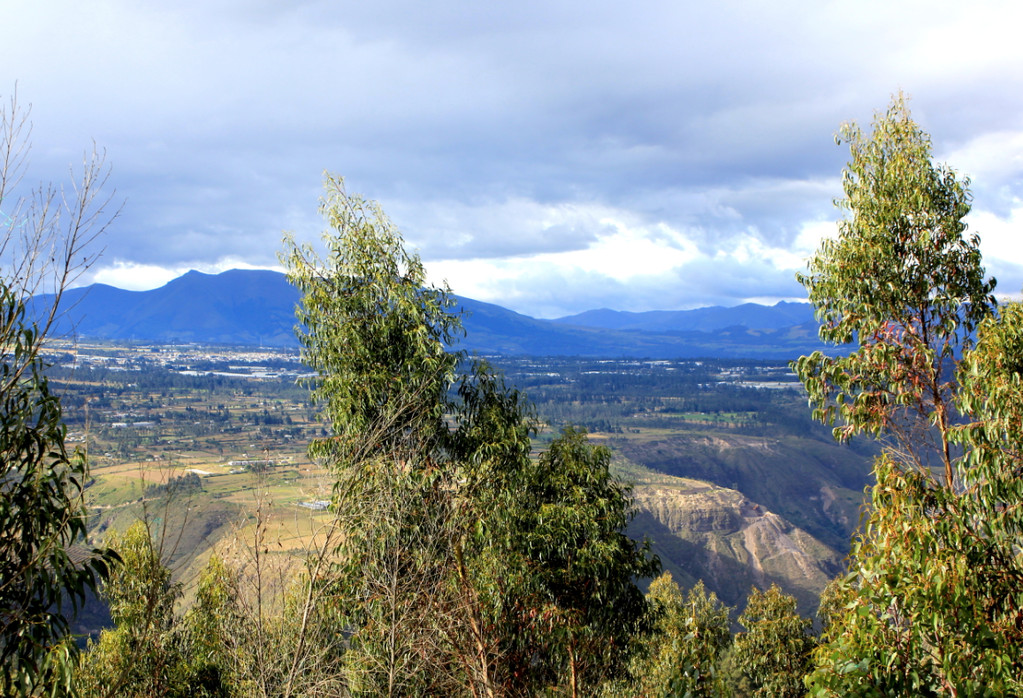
x=703 y=531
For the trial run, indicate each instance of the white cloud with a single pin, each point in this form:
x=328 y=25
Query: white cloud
x=624 y=251
x=633 y=269
x=990 y=159
x=134 y=277
x=143 y=277
x=810 y=236
x=1001 y=244
x=1001 y=237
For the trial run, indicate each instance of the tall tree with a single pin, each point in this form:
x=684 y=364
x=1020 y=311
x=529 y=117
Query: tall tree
x=141 y=655
x=213 y=633
x=490 y=453
x=904 y=281
x=46 y=569
x=372 y=330
x=932 y=598
x=151 y=651
x=445 y=572
x=571 y=519
x=544 y=557
x=375 y=335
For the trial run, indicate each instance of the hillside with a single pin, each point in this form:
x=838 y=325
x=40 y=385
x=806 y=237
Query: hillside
x=733 y=484
x=816 y=485
x=702 y=531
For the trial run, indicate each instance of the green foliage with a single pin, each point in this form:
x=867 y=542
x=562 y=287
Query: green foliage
x=926 y=611
x=214 y=632
x=774 y=651
x=178 y=486
x=375 y=337
x=45 y=571
x=139 y=656
x=371 y=330
x=904 y=280
x=991 y=377
x=932 y=601
x=462 y=564
x=833 y=601
x=985 y=524
x=935 y=603
x=577 y=604
x=490 y=578
x=389 y=575
x=150 y=651
x=682 y=654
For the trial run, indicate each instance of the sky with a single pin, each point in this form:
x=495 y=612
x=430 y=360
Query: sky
x=551 y=157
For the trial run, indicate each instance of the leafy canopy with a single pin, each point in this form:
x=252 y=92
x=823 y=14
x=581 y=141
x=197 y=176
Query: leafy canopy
x=904 y=281
x=45 y=568
x=462 y=563
x=934 y=595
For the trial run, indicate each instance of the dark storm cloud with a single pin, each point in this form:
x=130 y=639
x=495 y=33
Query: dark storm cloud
x=500 y=133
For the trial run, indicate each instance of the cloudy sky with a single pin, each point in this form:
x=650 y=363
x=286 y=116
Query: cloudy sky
x=549 y=156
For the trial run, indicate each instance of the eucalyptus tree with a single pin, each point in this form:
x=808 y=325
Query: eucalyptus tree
x=140 y=655
x=683 y=654
x=571 y=517
x=935 y=586
x=375 y=334
x=46 y=568
x=773 y=652
x=443 y=575
x=903 y=280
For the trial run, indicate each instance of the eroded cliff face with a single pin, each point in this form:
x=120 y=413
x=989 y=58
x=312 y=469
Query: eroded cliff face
x=704 y=531
x=814 y=484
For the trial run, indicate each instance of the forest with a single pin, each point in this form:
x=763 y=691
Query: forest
x=460 y=555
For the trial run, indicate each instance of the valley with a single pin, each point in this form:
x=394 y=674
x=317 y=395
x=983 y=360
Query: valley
x=733 y=483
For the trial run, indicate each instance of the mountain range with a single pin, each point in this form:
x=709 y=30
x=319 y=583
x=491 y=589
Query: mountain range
x=256 y=307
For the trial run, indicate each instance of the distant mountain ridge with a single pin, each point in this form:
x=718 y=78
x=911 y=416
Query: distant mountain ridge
x=256 y=308
x=709 y=319
x=239 y=307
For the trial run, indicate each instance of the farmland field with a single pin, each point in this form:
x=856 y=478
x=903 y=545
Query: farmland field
x=208 y=444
